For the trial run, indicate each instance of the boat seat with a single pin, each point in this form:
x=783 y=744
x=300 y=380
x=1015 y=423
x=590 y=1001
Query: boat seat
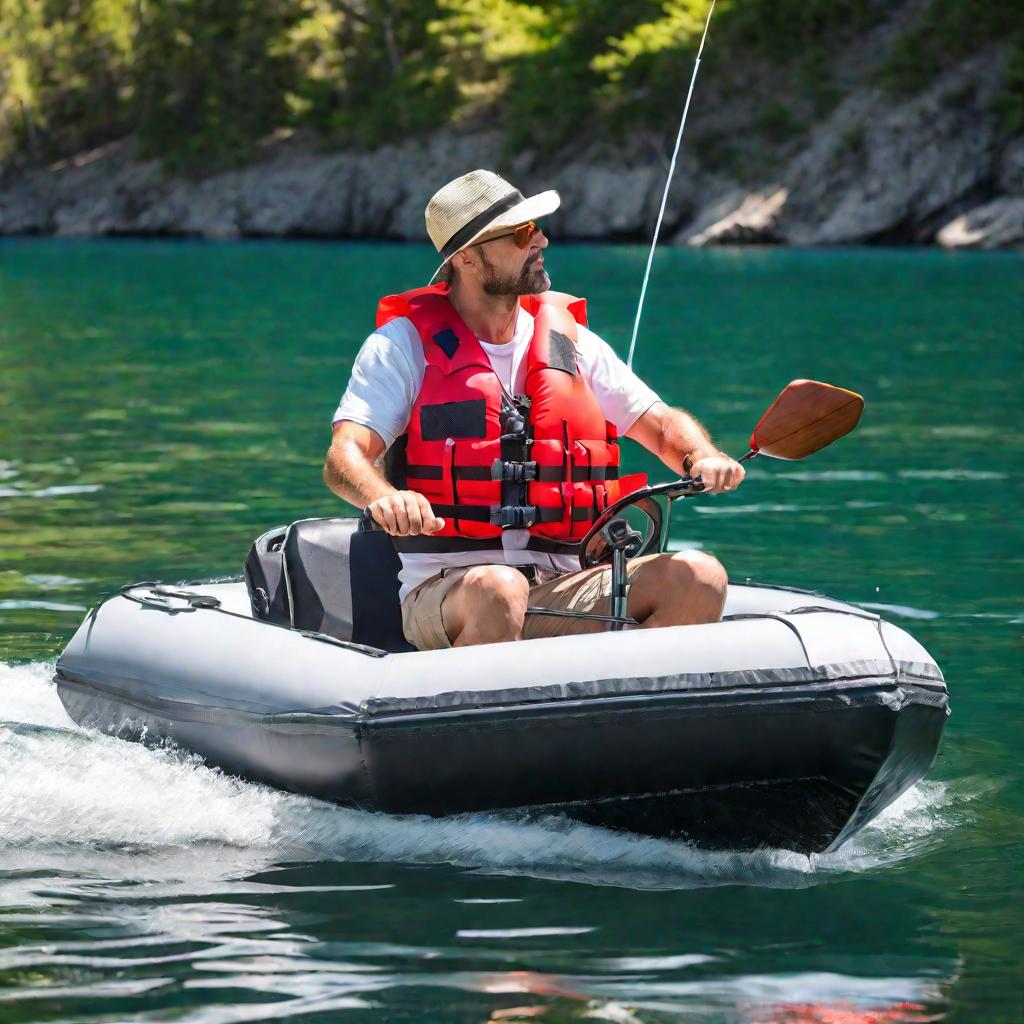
x=323 y=575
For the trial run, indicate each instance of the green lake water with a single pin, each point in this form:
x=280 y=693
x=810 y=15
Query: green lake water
x=162 y=403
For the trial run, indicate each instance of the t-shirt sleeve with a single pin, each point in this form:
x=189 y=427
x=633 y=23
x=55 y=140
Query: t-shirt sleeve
x=386 y=378
x=622 y=395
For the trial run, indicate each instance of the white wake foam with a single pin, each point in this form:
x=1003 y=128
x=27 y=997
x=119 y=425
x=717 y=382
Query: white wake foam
x=101 y=796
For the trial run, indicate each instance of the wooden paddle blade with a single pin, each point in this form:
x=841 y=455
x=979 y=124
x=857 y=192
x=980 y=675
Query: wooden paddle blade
x=807 y=416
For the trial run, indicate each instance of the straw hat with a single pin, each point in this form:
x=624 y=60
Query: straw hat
x=478 y=204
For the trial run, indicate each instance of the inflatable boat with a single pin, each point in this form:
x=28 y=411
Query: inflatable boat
x=790 y=723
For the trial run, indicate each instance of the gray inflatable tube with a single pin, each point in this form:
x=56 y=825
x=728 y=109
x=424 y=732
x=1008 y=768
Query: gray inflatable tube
x=791 y=723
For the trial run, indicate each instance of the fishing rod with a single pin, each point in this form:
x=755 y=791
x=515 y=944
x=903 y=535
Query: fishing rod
x=668 y=183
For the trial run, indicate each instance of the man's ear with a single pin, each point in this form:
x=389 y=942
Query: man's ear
x=465 y=260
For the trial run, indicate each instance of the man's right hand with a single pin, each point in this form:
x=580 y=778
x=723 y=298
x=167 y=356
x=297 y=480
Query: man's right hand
x=405 y=514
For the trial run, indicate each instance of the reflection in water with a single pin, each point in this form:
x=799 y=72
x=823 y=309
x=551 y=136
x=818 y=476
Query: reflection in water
x=125 y=898
x=284 y=956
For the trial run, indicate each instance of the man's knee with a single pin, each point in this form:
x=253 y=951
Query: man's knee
x=499 y=584
x=698 y=567
x=492 y=601
x=682 y=573
x=681 y=588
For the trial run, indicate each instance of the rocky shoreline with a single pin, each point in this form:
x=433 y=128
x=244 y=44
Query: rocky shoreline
x=929 y=169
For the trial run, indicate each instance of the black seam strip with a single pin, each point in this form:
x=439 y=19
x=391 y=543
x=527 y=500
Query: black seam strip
x=780 y=695
x=480 y=221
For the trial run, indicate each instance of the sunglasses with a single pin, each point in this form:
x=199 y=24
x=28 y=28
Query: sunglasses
x=521 y=234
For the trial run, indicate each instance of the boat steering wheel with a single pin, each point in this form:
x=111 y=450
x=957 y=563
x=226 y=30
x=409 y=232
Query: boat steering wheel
x=642 y=526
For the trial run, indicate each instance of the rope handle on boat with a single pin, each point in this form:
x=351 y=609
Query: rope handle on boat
x=155 y=590
x=155 y=596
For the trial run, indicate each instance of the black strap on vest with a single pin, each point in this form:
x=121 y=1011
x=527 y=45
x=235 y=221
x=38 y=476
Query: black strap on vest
x=519 y=472
x=512 y=517
x=553 y=474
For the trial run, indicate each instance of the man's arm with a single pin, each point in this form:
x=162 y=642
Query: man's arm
x=351 y=472
x=673 y=434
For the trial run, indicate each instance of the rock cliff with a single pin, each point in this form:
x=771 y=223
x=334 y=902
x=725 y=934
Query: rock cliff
x=931 y=168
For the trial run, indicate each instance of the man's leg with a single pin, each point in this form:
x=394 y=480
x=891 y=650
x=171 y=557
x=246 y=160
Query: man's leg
x=480 y=604
x=673 y=589
x=678 y=589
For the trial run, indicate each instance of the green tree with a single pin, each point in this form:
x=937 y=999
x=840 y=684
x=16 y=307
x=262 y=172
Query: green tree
x=64 y=74
x=372 y=72
x=211 y=77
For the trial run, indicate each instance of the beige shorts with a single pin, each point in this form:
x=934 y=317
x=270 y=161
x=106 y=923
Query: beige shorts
x=586 y=590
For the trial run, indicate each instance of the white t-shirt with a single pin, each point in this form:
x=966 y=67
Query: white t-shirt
x=386 y=380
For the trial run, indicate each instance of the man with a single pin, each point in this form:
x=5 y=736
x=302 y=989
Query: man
x=501 y=412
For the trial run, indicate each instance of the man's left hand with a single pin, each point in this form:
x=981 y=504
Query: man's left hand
x=719 y=473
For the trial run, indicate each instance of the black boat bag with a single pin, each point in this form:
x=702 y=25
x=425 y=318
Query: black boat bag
x=324 y=576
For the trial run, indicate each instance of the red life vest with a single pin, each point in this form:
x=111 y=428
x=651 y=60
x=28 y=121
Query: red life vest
x=547 y=461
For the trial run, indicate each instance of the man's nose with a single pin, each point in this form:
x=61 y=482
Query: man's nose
x=540 y=240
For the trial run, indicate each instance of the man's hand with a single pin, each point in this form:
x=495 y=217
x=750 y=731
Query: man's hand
x=676 y=438
x=405 y=514
x=719 y=473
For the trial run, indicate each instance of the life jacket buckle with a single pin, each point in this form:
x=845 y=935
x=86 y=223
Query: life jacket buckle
x=515 y=422
x=516 y=472
x=514 y=517
x=518 y=437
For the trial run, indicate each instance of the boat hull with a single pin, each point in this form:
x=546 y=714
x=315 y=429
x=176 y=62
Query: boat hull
x=795 y=772
x=790 y=725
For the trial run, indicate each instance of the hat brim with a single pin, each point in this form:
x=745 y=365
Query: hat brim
x=533 y=208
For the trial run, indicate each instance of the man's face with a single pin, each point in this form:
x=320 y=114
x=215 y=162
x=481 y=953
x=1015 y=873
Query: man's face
x=505 y=269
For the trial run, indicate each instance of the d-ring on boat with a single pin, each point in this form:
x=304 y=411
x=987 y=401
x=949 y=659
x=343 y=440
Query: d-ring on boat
x=791 y=723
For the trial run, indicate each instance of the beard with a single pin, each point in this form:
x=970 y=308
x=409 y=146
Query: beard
x=531 y=280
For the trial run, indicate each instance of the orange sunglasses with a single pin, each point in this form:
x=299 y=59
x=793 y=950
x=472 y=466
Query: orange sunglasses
x=521 y=234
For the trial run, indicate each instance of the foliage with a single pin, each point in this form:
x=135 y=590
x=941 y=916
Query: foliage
x=200 y=82
x=950 y=30
x=947 y=31
x=211 y=76
x=63 y=73
x=1009 y=104
x=371 y=72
